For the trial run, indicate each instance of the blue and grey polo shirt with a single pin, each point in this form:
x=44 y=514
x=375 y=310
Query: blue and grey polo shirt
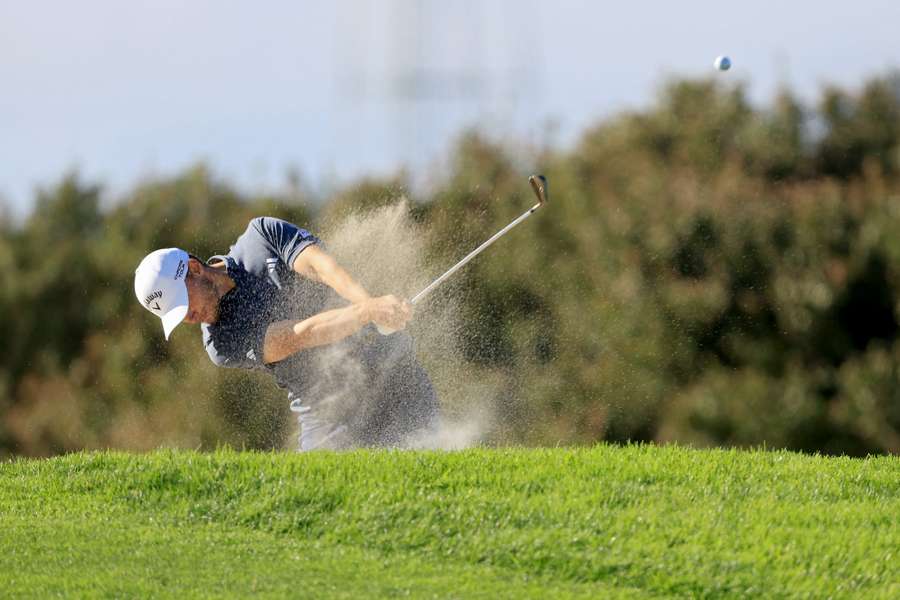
x=368 y=384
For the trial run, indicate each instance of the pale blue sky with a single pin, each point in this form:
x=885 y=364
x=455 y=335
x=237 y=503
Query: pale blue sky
x=124 y=90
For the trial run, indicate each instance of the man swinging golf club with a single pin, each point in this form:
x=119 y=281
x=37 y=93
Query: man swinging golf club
x=272 y=303
x=265 y=305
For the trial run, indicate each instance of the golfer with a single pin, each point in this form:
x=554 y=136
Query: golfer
x=279 y=302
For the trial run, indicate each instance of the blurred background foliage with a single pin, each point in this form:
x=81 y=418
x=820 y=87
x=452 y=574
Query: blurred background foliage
x=709 y=272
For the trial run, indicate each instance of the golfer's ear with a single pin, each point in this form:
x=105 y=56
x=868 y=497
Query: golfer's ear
x=194 y=265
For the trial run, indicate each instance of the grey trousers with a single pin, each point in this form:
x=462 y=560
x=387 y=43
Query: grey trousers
x=394 y=404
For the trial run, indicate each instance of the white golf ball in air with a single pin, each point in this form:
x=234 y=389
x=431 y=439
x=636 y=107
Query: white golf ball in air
x=723 y=63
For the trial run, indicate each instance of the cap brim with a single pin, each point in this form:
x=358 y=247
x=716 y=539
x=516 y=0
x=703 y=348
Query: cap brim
x=172 y=318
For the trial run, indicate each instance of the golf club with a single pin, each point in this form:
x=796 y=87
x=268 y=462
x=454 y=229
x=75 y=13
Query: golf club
x=539 y=185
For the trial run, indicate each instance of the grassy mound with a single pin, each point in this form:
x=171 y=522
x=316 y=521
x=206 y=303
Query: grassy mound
x=606 y=521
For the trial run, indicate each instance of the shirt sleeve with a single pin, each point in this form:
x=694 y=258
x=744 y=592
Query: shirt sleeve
x=285 y=239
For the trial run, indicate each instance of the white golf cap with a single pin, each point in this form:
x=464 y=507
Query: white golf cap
x=159 y=285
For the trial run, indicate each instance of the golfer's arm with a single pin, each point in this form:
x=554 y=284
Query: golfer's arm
x=316 y=264
x=284 y=338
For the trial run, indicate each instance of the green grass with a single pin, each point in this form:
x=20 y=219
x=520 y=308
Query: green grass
x=636 y=521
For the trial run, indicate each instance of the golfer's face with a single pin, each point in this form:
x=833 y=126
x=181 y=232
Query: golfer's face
x=202 y=301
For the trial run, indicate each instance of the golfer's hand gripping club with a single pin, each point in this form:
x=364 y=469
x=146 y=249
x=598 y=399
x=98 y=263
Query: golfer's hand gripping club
x=389 y=313
x=539 y=186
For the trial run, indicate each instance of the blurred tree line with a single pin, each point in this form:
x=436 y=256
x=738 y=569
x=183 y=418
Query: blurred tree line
x=709 y=272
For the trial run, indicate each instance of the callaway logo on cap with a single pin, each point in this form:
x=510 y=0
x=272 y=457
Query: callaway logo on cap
x=160 y=288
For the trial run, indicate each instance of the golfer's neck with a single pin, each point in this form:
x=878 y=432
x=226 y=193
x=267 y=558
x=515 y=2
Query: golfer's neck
x=222 y=282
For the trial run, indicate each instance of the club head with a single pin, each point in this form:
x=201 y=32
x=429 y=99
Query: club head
x=539 y=185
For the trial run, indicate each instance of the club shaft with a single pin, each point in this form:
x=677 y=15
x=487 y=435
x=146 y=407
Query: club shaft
x=472 y=255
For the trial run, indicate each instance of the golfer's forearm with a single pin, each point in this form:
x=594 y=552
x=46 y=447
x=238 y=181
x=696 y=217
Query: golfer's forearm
x=341 y=282
x=334 y=276
x=318 y=265
x=284 y=338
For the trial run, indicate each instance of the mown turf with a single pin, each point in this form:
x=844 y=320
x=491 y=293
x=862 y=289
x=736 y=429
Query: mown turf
x=637 y=521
